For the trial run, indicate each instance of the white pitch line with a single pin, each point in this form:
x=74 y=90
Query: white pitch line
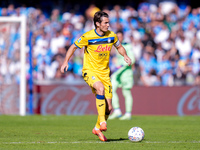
x=78 y=142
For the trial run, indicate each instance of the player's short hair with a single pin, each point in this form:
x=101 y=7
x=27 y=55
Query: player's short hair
x=98 y=17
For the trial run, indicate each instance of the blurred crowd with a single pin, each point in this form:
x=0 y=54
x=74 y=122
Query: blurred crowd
x=165 y=39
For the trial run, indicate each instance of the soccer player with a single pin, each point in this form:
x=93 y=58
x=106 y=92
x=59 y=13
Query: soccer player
x=122 y=77
x=98 y=43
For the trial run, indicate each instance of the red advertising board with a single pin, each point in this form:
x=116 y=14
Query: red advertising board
x=9 y=99
x=166 y=100
x=79 y=100
x=64 y=99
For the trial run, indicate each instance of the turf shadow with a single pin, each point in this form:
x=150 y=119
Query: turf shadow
x=119 y=139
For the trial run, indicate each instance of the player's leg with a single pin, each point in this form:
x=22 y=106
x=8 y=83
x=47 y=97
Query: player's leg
x=101 y=108
x=108 y=96
x=128 y=104
x=108 y=108
x=98 y=88
x=90 y=78
x=127 y=84
x=115 y=99
x=100 y=104
x=107 y=112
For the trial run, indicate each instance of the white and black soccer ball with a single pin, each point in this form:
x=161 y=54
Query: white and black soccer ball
x=136 y=134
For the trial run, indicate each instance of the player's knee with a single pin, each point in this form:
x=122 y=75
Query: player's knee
x=100 y=90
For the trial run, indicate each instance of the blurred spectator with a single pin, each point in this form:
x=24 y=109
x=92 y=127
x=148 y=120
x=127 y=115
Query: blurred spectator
x=165 y=40
x=137 y=48
x=163 y=68
x=58 y=41
x=4 y=12
x=89 y=13
x=41 y=46
x=159 y=52
x=150 y=79
x=147 y=62
x=10 y=10
x=162 y=34
x=197 y=79
x=183 y=45
x=167 y=6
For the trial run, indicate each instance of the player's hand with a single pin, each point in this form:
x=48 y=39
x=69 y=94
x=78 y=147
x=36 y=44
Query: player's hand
x=127 y=60
x=64 y=68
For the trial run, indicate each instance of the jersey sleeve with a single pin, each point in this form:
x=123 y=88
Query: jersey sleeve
x=81 y=42
x=116 y=41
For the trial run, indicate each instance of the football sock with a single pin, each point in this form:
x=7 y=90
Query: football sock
x=128 y=100
x=101 y=107
x=97 y=126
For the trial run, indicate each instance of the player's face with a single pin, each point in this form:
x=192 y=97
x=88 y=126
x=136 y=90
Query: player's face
x=104 y=25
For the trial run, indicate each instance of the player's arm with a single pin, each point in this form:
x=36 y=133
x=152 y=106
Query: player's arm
x=69 y=53
x=122 y=52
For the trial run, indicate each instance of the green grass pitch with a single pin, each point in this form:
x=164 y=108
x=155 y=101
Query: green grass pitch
x=75 y=132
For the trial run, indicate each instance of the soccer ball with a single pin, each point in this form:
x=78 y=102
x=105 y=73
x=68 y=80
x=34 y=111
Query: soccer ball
x=136 y=134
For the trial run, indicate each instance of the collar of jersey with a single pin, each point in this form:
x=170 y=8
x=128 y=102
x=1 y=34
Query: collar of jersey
x=98 y=34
